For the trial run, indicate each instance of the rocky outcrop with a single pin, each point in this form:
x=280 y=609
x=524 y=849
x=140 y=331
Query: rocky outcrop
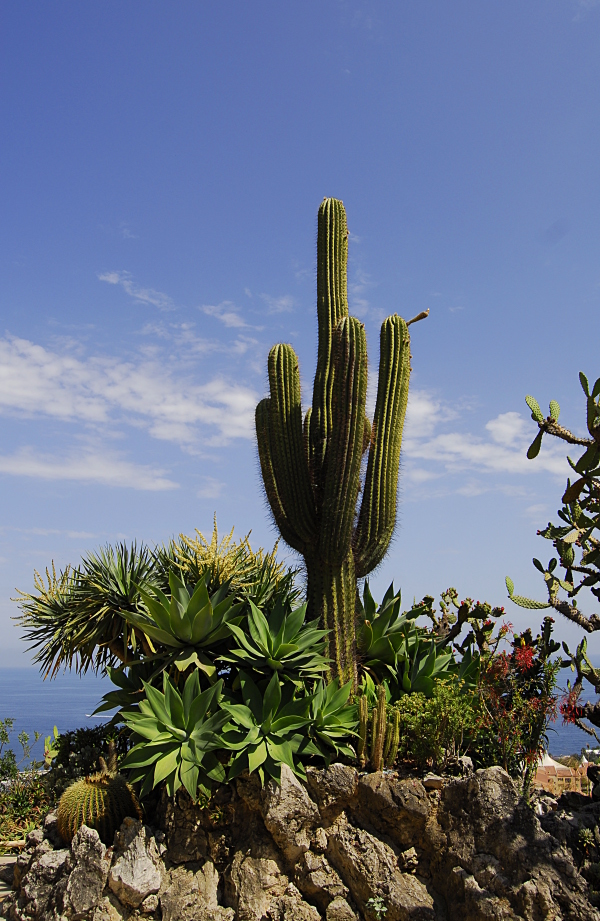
x=342 y=847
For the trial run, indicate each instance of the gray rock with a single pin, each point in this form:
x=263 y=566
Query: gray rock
x=433 y=782
x=189 y=896
x=317 y=880
x=109 y=909
x=135 y=871
x=339 y=910
x=333 y=789
x=289 y=814
x=255 y=886
x=88 y=877
x=40 y=882
x=51 y=830
x=369 y=868
x=398 y=808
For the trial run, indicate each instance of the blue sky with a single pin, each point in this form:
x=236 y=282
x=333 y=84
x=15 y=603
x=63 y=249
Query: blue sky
x=161 y=169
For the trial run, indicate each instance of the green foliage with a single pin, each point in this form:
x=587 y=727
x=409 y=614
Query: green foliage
x=435 y=730
x=332 y=722
x=377 y=906
x=24 y=802
x=186 y=624
x=101 y=801
x=311 y=468
x=517 y=696
x=9 y=766
x=576 y=540
x=409 y=657
x=77 y=754
x=282 y=644
x=264 y=730
x=77 y=618
x=176 y=737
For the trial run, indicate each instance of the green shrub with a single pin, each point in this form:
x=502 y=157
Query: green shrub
x=436 y=730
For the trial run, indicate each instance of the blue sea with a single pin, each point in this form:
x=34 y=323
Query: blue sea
x=68 y=702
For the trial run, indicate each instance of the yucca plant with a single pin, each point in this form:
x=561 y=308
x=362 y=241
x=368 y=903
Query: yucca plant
x=185 y=625
x=333 y=722
x=283 y=644
x=75 y=618
x=176 y=738
x=264 y=731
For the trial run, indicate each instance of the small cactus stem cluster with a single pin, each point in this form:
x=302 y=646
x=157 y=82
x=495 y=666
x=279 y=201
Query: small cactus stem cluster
x=363 y=726
x=378 y=732
x=311 y=467
x=100 y=801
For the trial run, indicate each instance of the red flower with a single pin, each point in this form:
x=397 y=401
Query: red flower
x=569 y=709
x=524 y=657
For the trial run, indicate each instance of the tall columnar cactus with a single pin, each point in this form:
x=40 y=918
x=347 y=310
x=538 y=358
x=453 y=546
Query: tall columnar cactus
x=312 y=468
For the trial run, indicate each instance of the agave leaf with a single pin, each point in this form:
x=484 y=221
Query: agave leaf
x=272 y=698
x=166 y=765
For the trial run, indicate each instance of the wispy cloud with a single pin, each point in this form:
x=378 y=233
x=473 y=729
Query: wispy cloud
x=283 y=304
x=211 y=488
x=498 y=451
x=142 y=295
x=227 y=313
x=143 y=391
x=87 y=467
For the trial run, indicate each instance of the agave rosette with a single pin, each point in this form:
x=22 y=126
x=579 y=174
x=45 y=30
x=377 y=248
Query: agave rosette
x=333 y=722
x=283 y=644
x=184 y=624
x=177 y=736
x=265 y=731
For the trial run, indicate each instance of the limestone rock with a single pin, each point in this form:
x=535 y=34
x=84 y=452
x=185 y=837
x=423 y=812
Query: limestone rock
x=255 y=885
x=369 y=868
x=333 y=789
x=339 y=910
x=289 y=814
x=40 y=882
x=188 y=896
x=110 y=909
x=88 y=878
x=398 y=808
x=317 y=879
x=135 y=872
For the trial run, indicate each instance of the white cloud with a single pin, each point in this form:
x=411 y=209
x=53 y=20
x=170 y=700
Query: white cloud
x=86 y=467
x=430 y=453
x=211 y=488
x=144 y=391
x=226 y=312
x=283 y=304
x=143 y=295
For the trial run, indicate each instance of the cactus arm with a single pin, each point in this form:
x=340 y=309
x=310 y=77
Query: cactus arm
x=363 y=720
x=344 y=449
x=263 y=437
x=377 y=515
x=287 y=443
x=332 y=305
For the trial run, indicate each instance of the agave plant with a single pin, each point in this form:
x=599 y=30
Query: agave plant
x=332 y=722
x=178 y=736
x=264 y=730
x=284 y=644
x=129 y=684
x=184 y=624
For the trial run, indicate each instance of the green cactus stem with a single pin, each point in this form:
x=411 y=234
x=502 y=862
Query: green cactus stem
x=311 y=468
x=363 y=725
x=392 y=741
x=379 y=730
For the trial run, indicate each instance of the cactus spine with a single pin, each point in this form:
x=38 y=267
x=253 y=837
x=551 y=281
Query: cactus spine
x=311 y=468
x=100 y=801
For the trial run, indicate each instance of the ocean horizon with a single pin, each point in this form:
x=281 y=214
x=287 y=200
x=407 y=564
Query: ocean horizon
x=68 y=702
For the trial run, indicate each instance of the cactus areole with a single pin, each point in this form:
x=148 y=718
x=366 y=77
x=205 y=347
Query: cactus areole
x=312 y=467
